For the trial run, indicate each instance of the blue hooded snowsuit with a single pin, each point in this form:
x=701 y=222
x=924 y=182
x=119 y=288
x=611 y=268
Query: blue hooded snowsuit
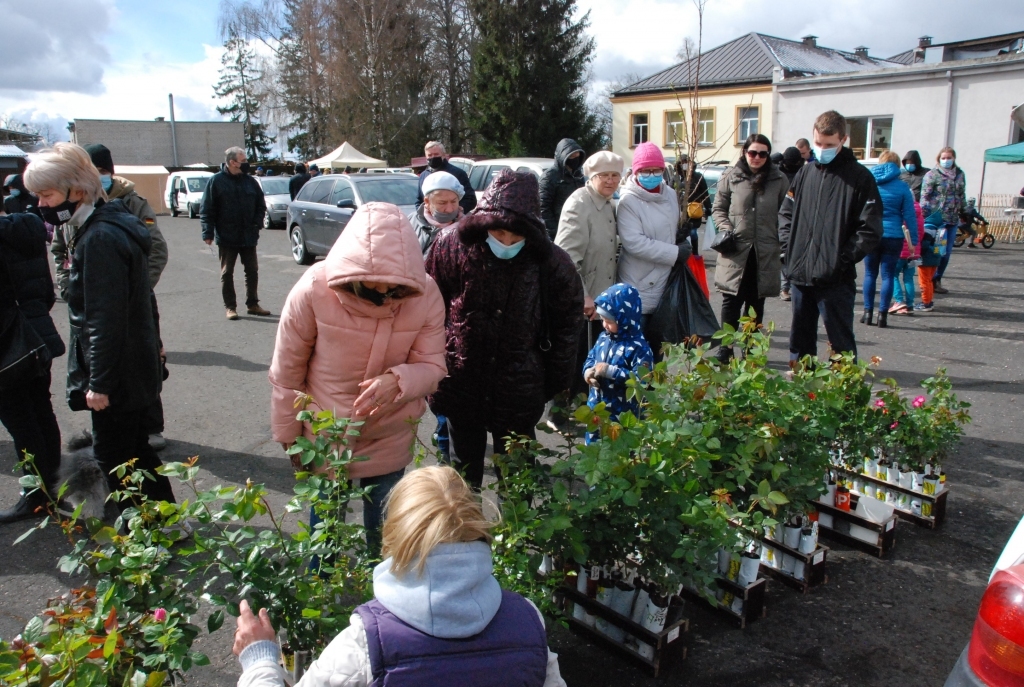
x=626 y=351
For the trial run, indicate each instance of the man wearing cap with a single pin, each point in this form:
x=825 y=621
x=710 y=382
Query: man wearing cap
x=314 y=170
x=441 y=195
x=437 y=161
x=586 y=231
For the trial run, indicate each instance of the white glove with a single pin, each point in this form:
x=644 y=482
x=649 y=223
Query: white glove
x=590 y=377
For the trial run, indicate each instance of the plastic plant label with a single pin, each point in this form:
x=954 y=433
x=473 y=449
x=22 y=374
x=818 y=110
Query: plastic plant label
x=672 y=636
x=818 y=557
x=889 y=525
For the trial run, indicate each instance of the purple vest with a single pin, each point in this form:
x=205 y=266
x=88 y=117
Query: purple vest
x=512 y=651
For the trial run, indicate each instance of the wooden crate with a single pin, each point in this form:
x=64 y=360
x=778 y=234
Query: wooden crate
x=668 y=646
x=814 y=566
x=886 y=530
x=936 y=502
x=753 y=600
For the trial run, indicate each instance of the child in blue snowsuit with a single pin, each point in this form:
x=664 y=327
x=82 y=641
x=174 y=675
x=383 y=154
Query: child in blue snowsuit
x=620 y=351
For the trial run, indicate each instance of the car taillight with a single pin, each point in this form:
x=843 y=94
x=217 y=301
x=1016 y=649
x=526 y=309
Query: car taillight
x=996 y=652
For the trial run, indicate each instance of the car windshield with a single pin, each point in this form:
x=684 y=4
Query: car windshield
x=274 y=187
x=197 y=184
x=387 y=190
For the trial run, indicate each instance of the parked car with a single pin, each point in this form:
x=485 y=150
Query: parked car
x=184 y=192
x=275 y=190
x=325 y=204
x=994 y=656
x=484 y=171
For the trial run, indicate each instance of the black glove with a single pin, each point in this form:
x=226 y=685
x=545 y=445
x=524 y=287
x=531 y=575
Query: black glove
x=684 y=252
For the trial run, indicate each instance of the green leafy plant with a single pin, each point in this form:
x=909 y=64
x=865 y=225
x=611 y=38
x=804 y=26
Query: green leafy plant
x=933 y=423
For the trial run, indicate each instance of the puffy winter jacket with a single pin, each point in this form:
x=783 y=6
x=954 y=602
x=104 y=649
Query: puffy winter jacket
x=497 y=371
x=23 y=260
x=329 y=340
x=113 y=348
x=944 y=190
x=831 y=218
x=558 y=182
x=647 y=230
x=626 y=351
x=232 y=209
x=897 y=202
x=754 y=218
x=586 y=231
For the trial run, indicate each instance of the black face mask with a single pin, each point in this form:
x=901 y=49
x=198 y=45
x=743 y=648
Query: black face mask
x=59 y=214
x=574 y=163
x=435 y=162
x=245 y=167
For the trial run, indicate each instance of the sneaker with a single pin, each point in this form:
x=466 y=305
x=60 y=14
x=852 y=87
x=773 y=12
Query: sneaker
x=157 y=441
x=923 y=307
x=232 y=314
x=257 y=310
x=896 y=307
x=785 y=296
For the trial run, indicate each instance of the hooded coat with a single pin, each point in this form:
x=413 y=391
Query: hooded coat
x=497 y=311
x=916 y=178
x=558 y=183
x=754 y=218
x=23 y=202
x=625 y=351
x=329 y=340
x=23 y=260
x=113 y=346
x=944 y=190
x=897 y=202
x=647 y=224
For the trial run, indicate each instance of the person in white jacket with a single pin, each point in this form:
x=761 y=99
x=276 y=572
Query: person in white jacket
x=438 y=611
x=648 y=222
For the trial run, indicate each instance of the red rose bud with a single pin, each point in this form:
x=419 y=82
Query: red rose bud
x=160 y=615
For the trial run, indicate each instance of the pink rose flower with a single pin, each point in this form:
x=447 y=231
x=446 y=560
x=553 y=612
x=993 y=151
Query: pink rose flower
x=880 y=403
x=160 y=615
x=919 y=401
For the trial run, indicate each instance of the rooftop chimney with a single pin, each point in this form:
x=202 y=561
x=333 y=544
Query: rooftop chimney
x=159 y=119
x=860 y=51
x=810 y=41
x=924 y=41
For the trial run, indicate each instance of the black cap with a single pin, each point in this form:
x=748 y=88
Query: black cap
x=100 y=156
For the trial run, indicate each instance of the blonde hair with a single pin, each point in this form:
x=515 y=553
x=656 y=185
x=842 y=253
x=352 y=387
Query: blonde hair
x=65 y=167
x=889 y=156
x=430 y=506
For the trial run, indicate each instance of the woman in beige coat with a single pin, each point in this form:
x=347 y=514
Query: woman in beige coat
x=586 y=231
x=747 y=203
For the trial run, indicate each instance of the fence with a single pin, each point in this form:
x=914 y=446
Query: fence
x=1006 y=228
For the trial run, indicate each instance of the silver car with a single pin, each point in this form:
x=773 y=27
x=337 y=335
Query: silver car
x=275 y=190
x=325 y=204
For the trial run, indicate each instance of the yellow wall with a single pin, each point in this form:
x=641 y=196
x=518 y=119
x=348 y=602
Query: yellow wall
x=725 y=103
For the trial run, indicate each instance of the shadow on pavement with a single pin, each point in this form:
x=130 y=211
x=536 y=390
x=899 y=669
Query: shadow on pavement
x=214 y=359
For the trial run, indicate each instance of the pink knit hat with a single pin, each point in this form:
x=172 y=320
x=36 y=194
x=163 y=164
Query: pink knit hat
x=647 y=155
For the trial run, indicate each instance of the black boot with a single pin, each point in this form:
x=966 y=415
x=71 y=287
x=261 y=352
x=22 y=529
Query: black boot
x=867 y=317
x=25 y=509
x=883 y=320
x=724 y=354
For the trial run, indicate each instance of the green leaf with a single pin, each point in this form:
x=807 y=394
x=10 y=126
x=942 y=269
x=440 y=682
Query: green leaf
x=110 y=645
x=763 y=489
x=33 y=632
x=311 y=613
x=215 y=620
x=631 y=499
x=778 y=498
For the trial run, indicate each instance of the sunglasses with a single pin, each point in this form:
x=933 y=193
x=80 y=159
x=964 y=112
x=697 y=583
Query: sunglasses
x=763 y=154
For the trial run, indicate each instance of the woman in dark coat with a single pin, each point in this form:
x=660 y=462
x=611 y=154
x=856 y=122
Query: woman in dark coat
x=27 y=413
x=913 y=173
x=514 y=306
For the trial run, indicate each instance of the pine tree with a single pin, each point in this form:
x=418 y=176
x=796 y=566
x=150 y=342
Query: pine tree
x=240 y=78
x=530 y=76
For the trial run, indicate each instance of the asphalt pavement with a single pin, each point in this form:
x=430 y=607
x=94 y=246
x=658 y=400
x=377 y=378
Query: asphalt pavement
x=902 y=620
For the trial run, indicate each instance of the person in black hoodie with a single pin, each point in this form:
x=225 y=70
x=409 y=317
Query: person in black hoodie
x=831 y=218
x=913 y=173
x=18 y=199
x=296 y=183
x=26 y=285
x=791 y=163
x=559 y=181
x=114 y=361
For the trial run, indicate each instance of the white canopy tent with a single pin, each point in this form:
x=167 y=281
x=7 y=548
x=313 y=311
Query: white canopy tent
x=346 y=155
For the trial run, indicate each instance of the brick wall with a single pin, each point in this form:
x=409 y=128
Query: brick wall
x=149 y=143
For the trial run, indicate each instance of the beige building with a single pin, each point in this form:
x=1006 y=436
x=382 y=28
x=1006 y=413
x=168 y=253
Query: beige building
x=735 y=95
x=154 y=142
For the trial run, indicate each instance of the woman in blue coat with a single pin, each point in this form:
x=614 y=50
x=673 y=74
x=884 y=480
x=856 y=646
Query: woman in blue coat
x=897 y=211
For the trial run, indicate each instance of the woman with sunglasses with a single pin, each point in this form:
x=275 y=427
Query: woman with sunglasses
x=363 y=333
x=747 y=203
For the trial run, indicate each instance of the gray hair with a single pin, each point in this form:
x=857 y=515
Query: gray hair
x=65 y=167
x=232 y=153
x=434 y=144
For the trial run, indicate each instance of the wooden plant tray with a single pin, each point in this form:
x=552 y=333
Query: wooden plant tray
x=886 y=529
x=814 y=566
x=934 y=503
x=753 y=600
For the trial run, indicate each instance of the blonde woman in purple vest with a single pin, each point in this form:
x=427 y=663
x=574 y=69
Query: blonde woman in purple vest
x=438 y=616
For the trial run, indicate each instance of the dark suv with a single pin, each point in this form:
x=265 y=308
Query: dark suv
x=325 y=204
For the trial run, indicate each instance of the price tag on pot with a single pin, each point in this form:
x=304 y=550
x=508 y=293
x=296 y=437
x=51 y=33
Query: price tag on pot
x=672 y=636
x=818 y=557
x=889 y=525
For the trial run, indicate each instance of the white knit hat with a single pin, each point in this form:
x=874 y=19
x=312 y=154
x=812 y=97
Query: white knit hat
x=442 y=181
x=602 y=161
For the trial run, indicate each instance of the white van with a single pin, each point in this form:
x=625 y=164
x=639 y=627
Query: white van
x=184 y=192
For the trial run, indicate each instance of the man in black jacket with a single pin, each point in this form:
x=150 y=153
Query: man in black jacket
x=296 y=183
x=831 y=218
x=232 y=214
x=27 y=412
x=18 y=198
x=559 y=181
x=437 y=161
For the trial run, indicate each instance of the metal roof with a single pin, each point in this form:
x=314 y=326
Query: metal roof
x=908 y=57
x=751 y=59
x=11 y=151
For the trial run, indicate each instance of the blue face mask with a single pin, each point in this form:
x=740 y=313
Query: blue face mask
x=14 y=192
x=502 y=251
x=107 y=181
x=649 y=181
x=826 y=155
x=911 y=167
x=947 y=163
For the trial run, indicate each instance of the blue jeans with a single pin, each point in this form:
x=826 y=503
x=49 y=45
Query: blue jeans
x=904 y=293
x=883 y=258
x=442 y=436
x=834 y=304
x=950 y=237
x=373 y=509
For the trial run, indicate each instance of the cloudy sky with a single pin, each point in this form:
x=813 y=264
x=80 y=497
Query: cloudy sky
x=118 y=59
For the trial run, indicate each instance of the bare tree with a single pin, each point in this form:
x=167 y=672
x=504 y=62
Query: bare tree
x=691 y=52
x=449 y=23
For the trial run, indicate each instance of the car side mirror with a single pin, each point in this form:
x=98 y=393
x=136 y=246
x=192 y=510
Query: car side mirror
x=347 y=204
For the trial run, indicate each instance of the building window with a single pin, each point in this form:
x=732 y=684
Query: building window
x=706 y=126
x=639 y=124
x=675 y=128
x=869 y=136
x=746 y=122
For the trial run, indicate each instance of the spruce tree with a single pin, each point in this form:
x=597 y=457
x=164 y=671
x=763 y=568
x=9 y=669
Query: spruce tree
x=240 y=83
x=530 y=75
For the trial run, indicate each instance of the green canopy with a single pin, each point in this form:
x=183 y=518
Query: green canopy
x=1010 y=153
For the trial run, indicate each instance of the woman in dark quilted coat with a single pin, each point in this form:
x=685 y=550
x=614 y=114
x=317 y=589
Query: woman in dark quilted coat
x=514 y=306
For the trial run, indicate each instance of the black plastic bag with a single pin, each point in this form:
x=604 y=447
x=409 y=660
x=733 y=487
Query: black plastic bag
x=684 y=310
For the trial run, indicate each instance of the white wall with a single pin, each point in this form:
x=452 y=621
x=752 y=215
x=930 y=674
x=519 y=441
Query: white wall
x=982 y=97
